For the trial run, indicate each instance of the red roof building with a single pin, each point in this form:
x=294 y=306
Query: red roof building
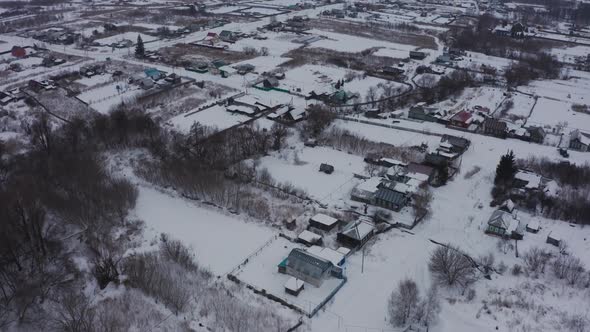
x=18 y=52
x=462 y=119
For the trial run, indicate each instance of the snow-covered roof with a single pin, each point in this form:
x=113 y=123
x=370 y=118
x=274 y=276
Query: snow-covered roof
x=552 y=188
x=294 y=284
x=533 y=180
x=328 y=254
x=240 y=109
x=359 y=229
x=554 y=236
x=395 y=170
x=534 y=224
x=228 y=69
x=309 y=237
x=324 y=219
x=297 y=113
x=417 y=176
x=394 y=162
x=369 y=186
x=505 y=220
x=344 y=251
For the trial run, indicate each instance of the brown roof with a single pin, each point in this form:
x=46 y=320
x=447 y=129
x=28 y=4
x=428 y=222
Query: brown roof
x=494 y=124
x=419 y=168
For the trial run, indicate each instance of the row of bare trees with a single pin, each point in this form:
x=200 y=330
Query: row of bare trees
x=57 y=192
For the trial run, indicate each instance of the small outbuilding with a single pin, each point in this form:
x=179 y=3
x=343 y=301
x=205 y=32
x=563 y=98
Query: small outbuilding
x=533 y=226
x=326 y=168
x=309 y=238
x=323 y=222
x=554 y=239
x=294 y=286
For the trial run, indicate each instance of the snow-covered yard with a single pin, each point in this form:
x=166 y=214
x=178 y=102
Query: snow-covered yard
x=215 y=116
x=554 y=112
x=261 y=271
x=300 y=167
x=125 y=36
x=105 y=97
x=220 y=241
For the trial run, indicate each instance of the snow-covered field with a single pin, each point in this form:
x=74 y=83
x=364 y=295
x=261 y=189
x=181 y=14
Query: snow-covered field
x=220 y=241
x=278 y=43
x=348 y=43
x=478 y=59
x=127 y=35
x=554 y=112
x=318 y=78
x=105 y=97
x=215 y=116
x=300 y=167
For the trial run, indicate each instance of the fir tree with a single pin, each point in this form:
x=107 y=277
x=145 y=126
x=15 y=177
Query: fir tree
x=139 y=48
x=506 y=169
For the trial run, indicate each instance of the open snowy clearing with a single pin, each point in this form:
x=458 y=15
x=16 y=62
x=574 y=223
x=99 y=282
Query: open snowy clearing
x=553 y=112
x=125 y=36
x=215 y=116
x=300 y=167
x=104 y=98
x=219 y=241
x=348 y=43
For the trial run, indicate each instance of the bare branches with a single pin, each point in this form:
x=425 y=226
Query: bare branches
x=449 y=266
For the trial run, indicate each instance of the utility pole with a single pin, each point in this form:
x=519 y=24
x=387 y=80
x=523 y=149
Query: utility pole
x=363 y=261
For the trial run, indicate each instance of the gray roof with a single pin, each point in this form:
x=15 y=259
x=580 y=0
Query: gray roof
x=307 y=263
x=456 y=141
x=392 y=196
x=358 y=230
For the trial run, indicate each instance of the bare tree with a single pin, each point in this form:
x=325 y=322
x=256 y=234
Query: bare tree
x=74 y=313
x=535 y=260
x=429 y=307
x=422 y=199
x=403 y=303
x=451 y=267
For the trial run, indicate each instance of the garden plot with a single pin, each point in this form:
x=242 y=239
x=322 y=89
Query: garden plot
x=558 y=113
x=219 y=241
x=26 y=63
x=263 y=63
x=226 y=9
x=278 y=43
x=348 y=43
x=522 y=106
x=308 y=78
x=478 y=59
x=126 y=36
x=261 y=271
x=259 y=11
x=300 y=167
x=215 y=116
x=105 y=97
x=401 y=52
x=575 y=90
x=471 y=97
x=95 y=80
x=278 y=3
x=569 y=54
x=388 y=135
